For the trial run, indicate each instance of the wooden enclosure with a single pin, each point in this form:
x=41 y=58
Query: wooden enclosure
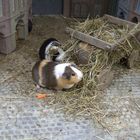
x=85 y=8
x=14 y=16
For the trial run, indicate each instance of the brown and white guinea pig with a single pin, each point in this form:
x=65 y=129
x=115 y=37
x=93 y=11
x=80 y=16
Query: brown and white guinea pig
x=54 y=75
x=51 y=50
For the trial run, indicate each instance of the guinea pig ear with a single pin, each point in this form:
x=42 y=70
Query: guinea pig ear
x=56 y=43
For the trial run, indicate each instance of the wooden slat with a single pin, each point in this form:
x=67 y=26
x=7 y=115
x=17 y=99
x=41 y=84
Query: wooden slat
x=89 y=39
x=116 y=20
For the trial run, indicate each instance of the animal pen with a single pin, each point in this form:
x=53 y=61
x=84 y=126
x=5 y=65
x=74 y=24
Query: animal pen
x=14 y=17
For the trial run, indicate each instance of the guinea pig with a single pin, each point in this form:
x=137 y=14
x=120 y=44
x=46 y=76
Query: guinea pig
x=50 y=49
x=54 y=75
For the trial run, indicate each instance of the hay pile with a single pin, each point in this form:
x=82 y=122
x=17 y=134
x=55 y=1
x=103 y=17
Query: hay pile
x=85 y=99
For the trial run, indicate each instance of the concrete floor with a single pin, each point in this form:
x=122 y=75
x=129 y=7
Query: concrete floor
x=23 y=117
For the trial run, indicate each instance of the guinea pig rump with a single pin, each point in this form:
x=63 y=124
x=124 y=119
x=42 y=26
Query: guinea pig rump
x=35 y=74
x=41 y=74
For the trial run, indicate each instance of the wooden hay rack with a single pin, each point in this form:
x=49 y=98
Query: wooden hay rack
x=100 y=43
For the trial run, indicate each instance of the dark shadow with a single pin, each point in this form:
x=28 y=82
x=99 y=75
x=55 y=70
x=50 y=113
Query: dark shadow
x=135 y=20
x=20 y=30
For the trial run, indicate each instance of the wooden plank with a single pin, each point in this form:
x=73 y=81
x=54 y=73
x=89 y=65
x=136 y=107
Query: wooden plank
x=116 y=20
x=89 y=39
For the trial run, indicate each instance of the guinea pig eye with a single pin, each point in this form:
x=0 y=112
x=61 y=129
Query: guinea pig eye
x=73 y=74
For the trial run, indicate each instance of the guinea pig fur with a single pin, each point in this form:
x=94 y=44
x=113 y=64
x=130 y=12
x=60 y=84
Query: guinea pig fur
x=53 y=75
x=53 y=45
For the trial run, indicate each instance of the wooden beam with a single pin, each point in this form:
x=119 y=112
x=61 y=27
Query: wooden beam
x=89 y=39
x=116 y=20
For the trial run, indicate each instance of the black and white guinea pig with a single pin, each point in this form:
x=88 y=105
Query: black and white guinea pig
x=51 y=50
x=54 y=75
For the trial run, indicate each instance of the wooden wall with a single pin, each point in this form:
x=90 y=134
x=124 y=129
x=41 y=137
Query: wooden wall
x=83 y=8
